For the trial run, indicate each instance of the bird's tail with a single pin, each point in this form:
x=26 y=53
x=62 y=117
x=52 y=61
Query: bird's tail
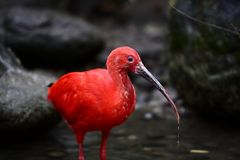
x=50 y=85
x=49 y=91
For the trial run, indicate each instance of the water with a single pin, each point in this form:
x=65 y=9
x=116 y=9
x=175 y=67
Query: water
x=178 y=135
x=139 y=138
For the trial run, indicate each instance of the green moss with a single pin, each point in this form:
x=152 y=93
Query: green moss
x=205 y=64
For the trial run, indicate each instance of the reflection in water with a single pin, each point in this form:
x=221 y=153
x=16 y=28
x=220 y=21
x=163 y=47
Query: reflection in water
x=139 y=138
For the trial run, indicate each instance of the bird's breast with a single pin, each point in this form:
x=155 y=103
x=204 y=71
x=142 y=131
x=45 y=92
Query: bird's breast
x=124 y=107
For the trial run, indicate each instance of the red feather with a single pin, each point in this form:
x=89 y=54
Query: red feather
x=91 y=100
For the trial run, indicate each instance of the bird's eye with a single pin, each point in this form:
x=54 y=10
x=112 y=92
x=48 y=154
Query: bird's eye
x=130 y=59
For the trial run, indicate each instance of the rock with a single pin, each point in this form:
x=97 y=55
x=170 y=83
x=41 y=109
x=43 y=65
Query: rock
x=97 y=7
x=57 y=4
x=8 y=60
x=48 y=38
x=205 y=64
x=123 y=11
x=23 y=98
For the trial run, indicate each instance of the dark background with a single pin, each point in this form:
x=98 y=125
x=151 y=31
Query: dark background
x=193 y=51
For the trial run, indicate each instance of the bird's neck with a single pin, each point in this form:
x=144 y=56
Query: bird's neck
x=127 y=91
x=121 y=78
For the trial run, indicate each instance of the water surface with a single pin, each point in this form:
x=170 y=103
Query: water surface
x=140 y=138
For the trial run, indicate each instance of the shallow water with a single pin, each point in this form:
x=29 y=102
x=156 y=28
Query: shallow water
x=139 y=138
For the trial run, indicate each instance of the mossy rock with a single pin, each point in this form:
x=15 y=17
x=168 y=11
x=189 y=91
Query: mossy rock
x=205 y=64
x=24 y=108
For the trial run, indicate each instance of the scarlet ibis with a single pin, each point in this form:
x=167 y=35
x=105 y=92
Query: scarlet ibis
x=99 y=99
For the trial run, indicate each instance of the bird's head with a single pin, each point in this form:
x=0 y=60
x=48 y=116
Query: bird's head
x=126 y=59
x=123 y=59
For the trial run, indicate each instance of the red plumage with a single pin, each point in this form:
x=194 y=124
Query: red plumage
x=99 y=99
x=91 y=100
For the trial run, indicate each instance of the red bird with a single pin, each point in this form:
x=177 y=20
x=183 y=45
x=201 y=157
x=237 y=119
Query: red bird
x=99 y=99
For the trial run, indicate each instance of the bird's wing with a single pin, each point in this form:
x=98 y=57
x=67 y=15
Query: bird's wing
x=80 y=95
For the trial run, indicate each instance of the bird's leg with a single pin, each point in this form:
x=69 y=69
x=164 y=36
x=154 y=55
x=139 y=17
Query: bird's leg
x=81 y=154
x=80 y=138
x=105 y=135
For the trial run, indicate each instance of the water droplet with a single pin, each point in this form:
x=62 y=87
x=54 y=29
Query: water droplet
x=178 y=135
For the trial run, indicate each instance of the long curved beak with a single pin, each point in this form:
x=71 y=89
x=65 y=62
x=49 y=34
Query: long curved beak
x=142 y=71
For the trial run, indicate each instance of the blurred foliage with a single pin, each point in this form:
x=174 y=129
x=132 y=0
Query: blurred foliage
x=205 y=60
